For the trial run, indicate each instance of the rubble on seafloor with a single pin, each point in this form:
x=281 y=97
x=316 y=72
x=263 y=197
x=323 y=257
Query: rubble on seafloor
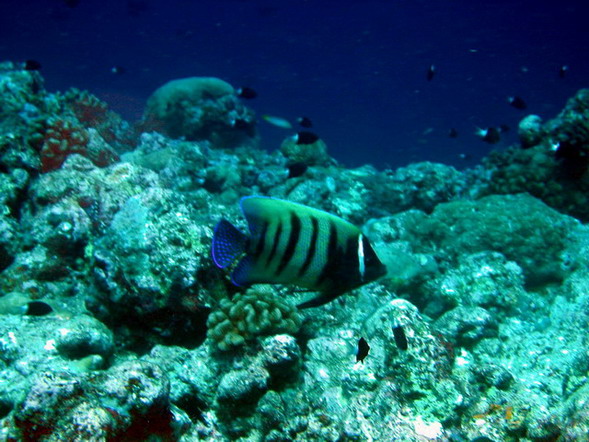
x=116 y=324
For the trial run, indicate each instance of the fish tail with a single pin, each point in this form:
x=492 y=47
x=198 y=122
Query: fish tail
x=228 y=243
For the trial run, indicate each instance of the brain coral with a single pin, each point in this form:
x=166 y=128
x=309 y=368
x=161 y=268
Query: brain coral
x=520 y=227
x=257 y=312
x=200 y=108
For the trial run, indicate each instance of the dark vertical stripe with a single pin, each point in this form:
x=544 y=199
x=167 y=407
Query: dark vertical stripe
x=331 y=262
x=293 y=239
x=261 y=240
x=277 y=235
x=312 y=246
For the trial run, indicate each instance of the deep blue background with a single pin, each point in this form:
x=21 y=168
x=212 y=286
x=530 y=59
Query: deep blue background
x=356 y=68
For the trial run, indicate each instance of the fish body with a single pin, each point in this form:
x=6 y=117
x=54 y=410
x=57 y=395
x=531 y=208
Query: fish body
x=118 y=70
x=246 y=92
x=517 y=102
x=305 y=137
x=31 y=65
x=400 y=338
x=305 y=122
x=490 y=135
x=297 y=169
x=431 y=72
x=290 y=243
x=363 y=349
x=277 y=121
x=38 y=308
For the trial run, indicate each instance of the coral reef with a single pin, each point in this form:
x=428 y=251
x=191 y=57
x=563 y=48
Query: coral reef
x=116 y=325
x=553 y=166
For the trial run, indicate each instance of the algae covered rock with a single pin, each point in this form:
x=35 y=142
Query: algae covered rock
x=200 y=108
x=530 y=131
x=484 y=279
x=242 y=387
x=464 y=326
x=130 y=401
x=520 y=227
x=84 y=336
x=418 y=186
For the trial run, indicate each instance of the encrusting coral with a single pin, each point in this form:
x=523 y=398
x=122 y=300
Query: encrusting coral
x=257 y=312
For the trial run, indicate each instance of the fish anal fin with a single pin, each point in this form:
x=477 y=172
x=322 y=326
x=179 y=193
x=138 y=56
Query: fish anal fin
x=241 y=275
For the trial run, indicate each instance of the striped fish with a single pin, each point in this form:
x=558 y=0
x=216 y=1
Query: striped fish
x=294 y=244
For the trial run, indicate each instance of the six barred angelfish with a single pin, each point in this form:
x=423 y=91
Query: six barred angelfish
x=294 y=244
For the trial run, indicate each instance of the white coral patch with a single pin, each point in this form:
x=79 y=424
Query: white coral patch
x=429 y=430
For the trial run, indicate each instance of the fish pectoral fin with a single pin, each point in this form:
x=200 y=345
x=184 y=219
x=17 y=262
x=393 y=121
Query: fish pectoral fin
x=319 y=300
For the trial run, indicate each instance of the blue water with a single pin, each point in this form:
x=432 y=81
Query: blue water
x=357 y=69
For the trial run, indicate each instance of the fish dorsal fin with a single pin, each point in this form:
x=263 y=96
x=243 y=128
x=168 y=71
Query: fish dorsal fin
x=260 y=209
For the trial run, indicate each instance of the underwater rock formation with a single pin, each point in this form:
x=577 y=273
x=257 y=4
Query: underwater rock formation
x=554 y=164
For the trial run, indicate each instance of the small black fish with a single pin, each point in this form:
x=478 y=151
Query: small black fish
x=38 y=308
x=71 y=3
x=464 y=156
x=573 y=159
x=363 y=349
x=246 y=92
x=431 y=72
x=240 y=123
x=306 y=137
x=504 y=128
x=453 y=133
x=517 y=102
x=400 y=337
x=563 y=71
x=118 y=70
x=297 y=169
x=31 y=65
x=305 y=122
x=490 y=135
